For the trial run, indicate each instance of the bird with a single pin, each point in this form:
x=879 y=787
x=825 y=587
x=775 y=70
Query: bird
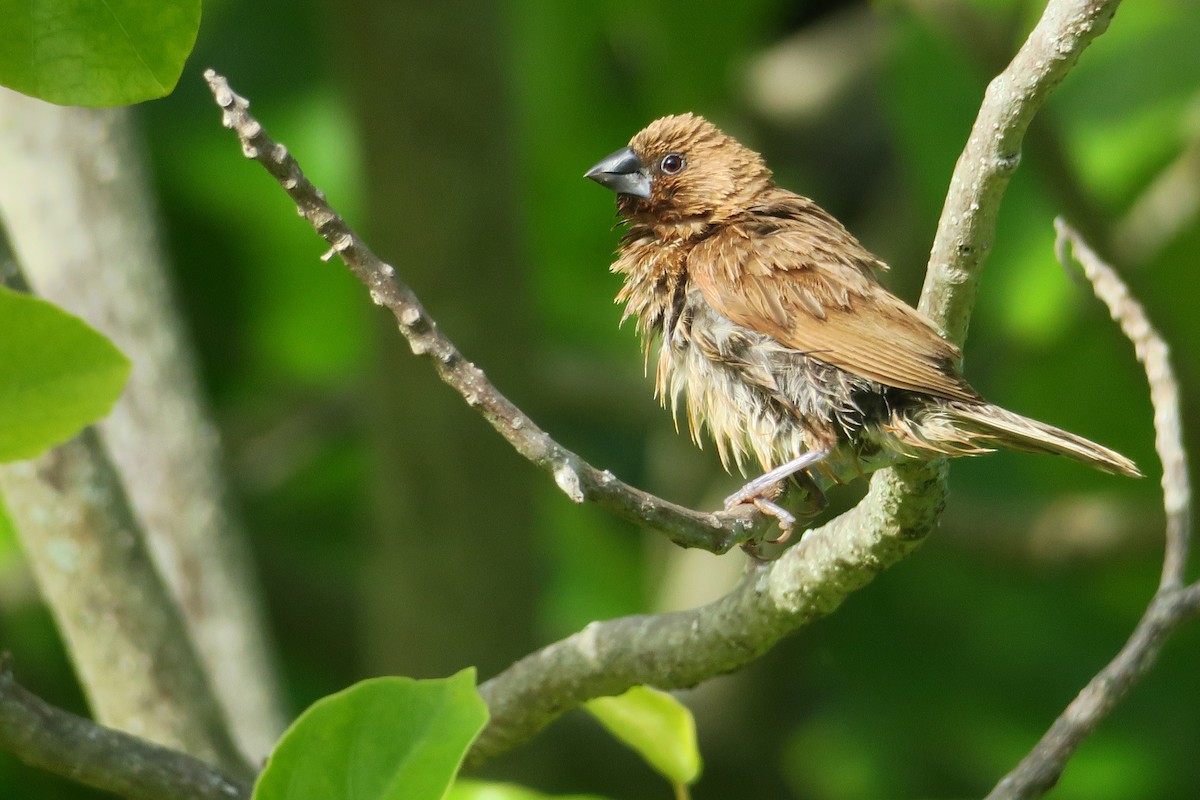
x=775 y=334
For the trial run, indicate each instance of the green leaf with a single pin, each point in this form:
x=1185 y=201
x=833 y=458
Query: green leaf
x=381 y=739
x=89 y=53
x=57 y=375
x=485 y=790
x=657 y=726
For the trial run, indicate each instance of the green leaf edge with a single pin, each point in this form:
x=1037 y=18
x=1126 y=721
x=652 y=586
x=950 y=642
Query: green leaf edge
x=614 y=713
x=463 y=676
x=121 y=368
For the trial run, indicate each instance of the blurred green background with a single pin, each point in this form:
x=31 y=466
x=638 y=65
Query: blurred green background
x=396 y=534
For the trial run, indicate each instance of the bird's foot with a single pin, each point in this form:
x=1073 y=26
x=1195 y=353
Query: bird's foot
x=785 y=519
x=763 y=491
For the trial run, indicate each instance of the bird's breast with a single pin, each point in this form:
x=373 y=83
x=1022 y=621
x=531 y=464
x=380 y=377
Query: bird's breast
x=759 y=400
x=756 y=399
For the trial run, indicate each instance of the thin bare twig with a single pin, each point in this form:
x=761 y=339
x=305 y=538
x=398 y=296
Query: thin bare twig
x=1155 y=356
x=580 y=481
x=60 y=742
x=1173 y=603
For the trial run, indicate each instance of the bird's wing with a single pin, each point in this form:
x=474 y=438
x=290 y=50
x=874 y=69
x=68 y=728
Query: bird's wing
x=800 y=278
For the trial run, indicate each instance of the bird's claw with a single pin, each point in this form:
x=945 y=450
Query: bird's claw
x=785 y=519
x=762 y=491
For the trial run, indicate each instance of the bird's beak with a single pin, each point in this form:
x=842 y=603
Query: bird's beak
x=623 y=172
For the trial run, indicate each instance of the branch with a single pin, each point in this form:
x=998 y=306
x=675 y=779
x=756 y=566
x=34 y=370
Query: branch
x=124 y=633
x=54 y=740
x=811 y=579
x=1037 y=773
x=1173 y=603
x=680 y=649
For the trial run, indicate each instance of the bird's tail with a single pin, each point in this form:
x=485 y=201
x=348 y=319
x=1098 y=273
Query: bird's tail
x=987 y=425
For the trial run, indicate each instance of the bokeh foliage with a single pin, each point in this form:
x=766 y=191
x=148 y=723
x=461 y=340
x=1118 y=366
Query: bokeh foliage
x=932 y=681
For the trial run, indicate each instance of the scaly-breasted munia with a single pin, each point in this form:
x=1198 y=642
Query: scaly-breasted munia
x=771 y=322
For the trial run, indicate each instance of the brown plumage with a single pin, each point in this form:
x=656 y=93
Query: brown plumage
x=772 y=323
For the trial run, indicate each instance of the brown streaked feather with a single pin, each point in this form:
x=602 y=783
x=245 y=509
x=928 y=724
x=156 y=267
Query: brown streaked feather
x=795 y=274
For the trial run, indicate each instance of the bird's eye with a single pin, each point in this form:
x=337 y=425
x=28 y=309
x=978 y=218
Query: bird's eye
x=672 y=163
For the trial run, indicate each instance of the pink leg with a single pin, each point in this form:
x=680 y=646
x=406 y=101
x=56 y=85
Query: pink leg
x=756 y=491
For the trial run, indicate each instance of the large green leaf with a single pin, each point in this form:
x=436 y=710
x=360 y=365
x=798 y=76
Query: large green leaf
x=89 y=53
x=657 y=726
x=56 y=375
x=381 y=739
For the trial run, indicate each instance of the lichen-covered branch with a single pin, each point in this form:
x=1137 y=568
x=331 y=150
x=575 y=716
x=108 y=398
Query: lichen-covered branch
x=683 y=648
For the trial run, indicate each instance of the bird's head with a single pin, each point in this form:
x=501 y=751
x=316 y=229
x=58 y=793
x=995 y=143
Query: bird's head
x=682 y=170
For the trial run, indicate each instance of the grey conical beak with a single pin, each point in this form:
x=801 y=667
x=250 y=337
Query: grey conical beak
x=623 y=172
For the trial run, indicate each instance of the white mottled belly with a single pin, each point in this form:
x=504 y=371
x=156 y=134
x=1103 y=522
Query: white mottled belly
x=758 y=400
